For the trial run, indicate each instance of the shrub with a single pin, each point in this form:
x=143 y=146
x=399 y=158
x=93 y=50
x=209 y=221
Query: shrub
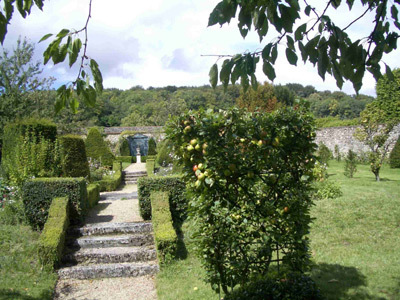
x=338 y=155
x=128 y=159
x=97 y=148
x=52 y=238
x=394 y=158
x=293 y=286
x=327 y=190
x=164 y=157
x=112 y=182
x=124 y=149
x=37 y=195
x=152 y=147
x=150 y=163
x=74 y=159
x=324 y=154
x=93 y=192
x=336 y=122
x=176 y=188
x=350 y=166
x=30 y=149
x=11 y=207
x=164 y=232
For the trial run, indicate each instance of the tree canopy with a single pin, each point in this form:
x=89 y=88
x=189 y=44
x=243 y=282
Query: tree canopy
x=313 y=34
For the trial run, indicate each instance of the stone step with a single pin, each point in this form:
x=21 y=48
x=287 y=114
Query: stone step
x=144 y=239
x=133 y=177
x=109 y=270
x=141 y=173
x=117 y=196
x=110 y=255
x=111 y=228
x=131 y=182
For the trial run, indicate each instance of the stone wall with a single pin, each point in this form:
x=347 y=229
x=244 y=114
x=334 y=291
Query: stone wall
x=113 y=133
x=343 y=137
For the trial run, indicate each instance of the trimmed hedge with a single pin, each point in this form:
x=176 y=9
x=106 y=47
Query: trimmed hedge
x=52 y=238
x=164 y=232
x=114 y=181
x=74 y=159
x=150 y=164
x=294 y=287
x=394 y=158
x=93 y=192
x=97 y=148
x=176 y=188
x=128 y=159
x=124 y=149
x=152 y=147
x=37 y=195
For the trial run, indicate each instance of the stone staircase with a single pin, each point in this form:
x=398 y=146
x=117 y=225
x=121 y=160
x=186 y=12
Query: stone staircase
x=132 y=177
x=107 y=250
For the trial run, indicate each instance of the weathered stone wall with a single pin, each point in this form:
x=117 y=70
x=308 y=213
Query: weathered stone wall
x=343 y=137
x=113 y=133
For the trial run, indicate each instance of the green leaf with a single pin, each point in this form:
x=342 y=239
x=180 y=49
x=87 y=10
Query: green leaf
x=62 y=33
x=337 y=74
x=214 y=75
x=3 y=27
x=336 y=3
x=274 y=54
x=298 y=35
x=74 y=105
x=39 y=4
x=20 y=6
x=254 y=82
x=394 y=12
x=268 y=70
x=267 y=51
x=290 y=42
x=225 y=72
x=389 y=73
x=307 y=10
x=291 y=57
x=45 y=37
x=98 y=78
x=9 y=9
x=76 y=48
x=323 y=61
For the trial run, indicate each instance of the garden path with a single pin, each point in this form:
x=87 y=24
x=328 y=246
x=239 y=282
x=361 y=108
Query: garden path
x=114 y=208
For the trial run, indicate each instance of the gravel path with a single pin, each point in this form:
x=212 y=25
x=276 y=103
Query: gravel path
x=135 y=288
x=114 y=207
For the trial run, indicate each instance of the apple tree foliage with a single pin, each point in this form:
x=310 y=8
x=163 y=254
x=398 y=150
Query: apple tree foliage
x=311 y=33
x=67 y=43
x=249 y=175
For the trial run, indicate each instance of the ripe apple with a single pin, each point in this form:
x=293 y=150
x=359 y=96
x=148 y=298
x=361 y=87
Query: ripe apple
x=200 y=166
x=207 y=173
x=242 y=140
x=187 y=122
x=197 y=184
x=205 y=145
x=193 y=142
x=205 y=152
x=195 y=167
x=197 y=147
x=286 y=209
x=201 y=176
x=187 y=129
x=260 y=143
x=190 y=148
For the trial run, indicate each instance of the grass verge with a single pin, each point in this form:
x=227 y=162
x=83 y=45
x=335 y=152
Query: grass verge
x=21 y=275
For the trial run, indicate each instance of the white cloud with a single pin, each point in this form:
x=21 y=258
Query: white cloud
x=157 y=43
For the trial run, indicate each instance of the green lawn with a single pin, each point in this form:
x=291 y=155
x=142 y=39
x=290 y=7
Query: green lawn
x=355 y=242
x=355 y=239
x=21 y=276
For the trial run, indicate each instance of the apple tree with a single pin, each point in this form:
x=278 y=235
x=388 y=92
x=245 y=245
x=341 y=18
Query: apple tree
x=249 y=176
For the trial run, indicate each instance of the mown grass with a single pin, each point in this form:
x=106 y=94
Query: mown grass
x=355 y=239
x=21 y=275
x=355 y=243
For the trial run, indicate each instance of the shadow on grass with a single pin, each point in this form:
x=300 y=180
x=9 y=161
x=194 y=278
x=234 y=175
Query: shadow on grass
x=15 y=295
x=182 y=251
x=341 y=282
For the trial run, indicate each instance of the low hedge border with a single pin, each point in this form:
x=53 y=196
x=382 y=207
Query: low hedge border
x=150 y=164
x=176 y=188
x=114 y=181
x=38 y=193
x=164 y=232
x=127 y=159
x=52 y=239
x=93 y=192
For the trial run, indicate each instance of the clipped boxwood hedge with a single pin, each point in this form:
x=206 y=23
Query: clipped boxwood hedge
x=394 y=158
x=97 y=148
x=37 y=195
x=176 y=188
x=74 y=159
x=124 y=149
x=293 y=287
x=127 y=159
x=150 y=164
x=113 y=182
x=93 y=192
x=164 y=232
x=52 y=238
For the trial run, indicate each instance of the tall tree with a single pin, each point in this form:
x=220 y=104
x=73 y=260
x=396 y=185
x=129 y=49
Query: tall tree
x=262 y=99
x=21 y=82
x=388 y=95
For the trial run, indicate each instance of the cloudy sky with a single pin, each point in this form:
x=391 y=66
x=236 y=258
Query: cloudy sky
x=158 y=43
